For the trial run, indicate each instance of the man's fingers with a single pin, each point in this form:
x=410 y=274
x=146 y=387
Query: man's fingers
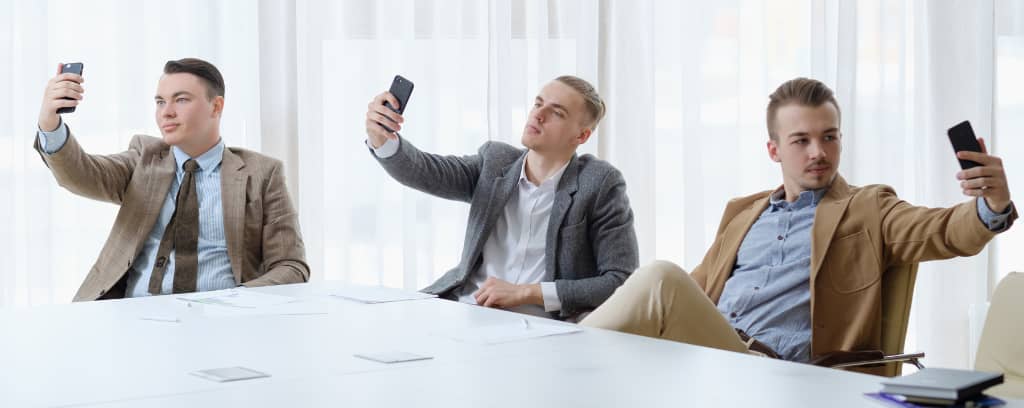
x=482 y=297
x=974 y=192
x=65 y=103
x=386 y=97
x=383 y=120
x=71 y=77
x=983 y=158
x=389 y=98
x=69 y=85
x=492 y=301
x=388 y=113
x=974 y=172
x=977 y=183
x=66 y=93
x=981 y=141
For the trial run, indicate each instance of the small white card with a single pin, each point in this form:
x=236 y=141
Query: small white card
x=389 y=357
x=229 y=374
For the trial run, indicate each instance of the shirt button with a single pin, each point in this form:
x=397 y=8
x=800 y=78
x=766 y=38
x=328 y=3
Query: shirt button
x=732 y=315
x=779 y=238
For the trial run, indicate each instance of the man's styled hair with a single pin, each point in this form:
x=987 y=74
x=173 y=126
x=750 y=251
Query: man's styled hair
x=204 y=70
x=800 y=91
x=592 y=101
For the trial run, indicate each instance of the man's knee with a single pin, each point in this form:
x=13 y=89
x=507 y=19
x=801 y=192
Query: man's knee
x=659 y=272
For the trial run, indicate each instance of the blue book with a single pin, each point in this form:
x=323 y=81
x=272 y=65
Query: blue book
x=895 y=400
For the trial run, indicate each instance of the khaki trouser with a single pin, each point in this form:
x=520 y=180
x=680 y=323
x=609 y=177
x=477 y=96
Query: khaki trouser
x=661 y=300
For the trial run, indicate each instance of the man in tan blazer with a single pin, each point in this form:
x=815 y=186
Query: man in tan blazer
x=798 y=269
x=195 y=215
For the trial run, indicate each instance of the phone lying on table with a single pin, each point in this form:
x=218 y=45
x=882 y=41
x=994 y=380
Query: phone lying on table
x=401 y=88
x=962 y=137
x=73 y=68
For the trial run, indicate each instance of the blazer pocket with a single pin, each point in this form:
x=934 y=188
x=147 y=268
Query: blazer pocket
x=851 y=263
x=574 y=229
x=253 y=225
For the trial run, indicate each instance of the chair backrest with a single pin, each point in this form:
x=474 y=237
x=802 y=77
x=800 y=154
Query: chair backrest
x=897 y=296
x=1001 y=347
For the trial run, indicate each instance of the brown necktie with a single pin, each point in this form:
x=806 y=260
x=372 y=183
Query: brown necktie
x=182 y=235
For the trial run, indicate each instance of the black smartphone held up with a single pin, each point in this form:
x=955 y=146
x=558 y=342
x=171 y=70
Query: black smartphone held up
x=962 y=137
x=401 y=88
x=74 y=68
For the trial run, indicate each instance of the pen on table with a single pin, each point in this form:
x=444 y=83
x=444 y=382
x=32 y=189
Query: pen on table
x=161 y=319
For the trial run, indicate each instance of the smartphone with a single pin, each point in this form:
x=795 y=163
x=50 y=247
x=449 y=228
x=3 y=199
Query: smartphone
x=962 y=137
x=74 y=68
x=401 y=88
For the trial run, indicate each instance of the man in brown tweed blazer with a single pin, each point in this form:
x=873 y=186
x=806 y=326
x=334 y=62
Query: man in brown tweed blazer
x=195 y=215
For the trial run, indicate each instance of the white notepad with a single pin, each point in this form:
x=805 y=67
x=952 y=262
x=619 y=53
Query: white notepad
x=229 y=374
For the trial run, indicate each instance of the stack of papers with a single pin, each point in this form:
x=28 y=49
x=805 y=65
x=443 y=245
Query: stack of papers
x=378 y=294
x=509 y=332
x=244 y=302
x=236 y=298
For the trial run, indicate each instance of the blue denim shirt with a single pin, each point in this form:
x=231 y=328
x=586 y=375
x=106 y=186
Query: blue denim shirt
x=768 y=295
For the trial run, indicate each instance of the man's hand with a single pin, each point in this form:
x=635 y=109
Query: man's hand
x=59 y=87
x=378 y=115
x=987 y=180
x=501 y=294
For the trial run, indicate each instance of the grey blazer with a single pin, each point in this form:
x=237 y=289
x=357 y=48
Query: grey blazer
x=591 y=245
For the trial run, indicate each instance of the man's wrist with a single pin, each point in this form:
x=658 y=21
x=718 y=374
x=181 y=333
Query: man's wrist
x=997 y=207
x=532 y=294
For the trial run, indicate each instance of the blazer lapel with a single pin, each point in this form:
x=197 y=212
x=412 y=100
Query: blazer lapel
x=233 y=183
x=567 y=188
x=157 y=178
x=826 y=218
x=733 y=236
x=501 y=191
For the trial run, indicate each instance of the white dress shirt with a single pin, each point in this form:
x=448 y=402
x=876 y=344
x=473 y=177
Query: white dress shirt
x=515 y=250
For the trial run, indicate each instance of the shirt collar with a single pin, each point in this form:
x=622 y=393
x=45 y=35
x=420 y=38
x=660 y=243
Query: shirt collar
x=207 y=161
x=549 y=182
x=807 y=198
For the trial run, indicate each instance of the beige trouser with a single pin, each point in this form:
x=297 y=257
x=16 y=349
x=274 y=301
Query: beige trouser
x=661 y=300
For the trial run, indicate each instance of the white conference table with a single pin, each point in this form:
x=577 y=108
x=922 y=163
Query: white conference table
x=101 y=354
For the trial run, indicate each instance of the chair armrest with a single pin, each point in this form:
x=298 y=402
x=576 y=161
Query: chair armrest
x=865 y=358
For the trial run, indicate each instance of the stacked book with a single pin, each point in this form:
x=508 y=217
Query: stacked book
x=940 y=387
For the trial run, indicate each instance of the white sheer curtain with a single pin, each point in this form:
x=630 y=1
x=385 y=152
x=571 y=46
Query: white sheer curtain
x=476 y=66
x=686 y=83
x=50 y=237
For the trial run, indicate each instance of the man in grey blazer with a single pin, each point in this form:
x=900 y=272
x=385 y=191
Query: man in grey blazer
x=194 y=215
x=550 y=233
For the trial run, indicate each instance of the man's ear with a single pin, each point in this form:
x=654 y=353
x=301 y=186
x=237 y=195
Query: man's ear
x=218 y=105
x=584 y=136
x=773 y=150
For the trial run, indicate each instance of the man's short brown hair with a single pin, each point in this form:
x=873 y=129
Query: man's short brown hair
x=591 y=100
x=204 y=70
x=800 y=91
